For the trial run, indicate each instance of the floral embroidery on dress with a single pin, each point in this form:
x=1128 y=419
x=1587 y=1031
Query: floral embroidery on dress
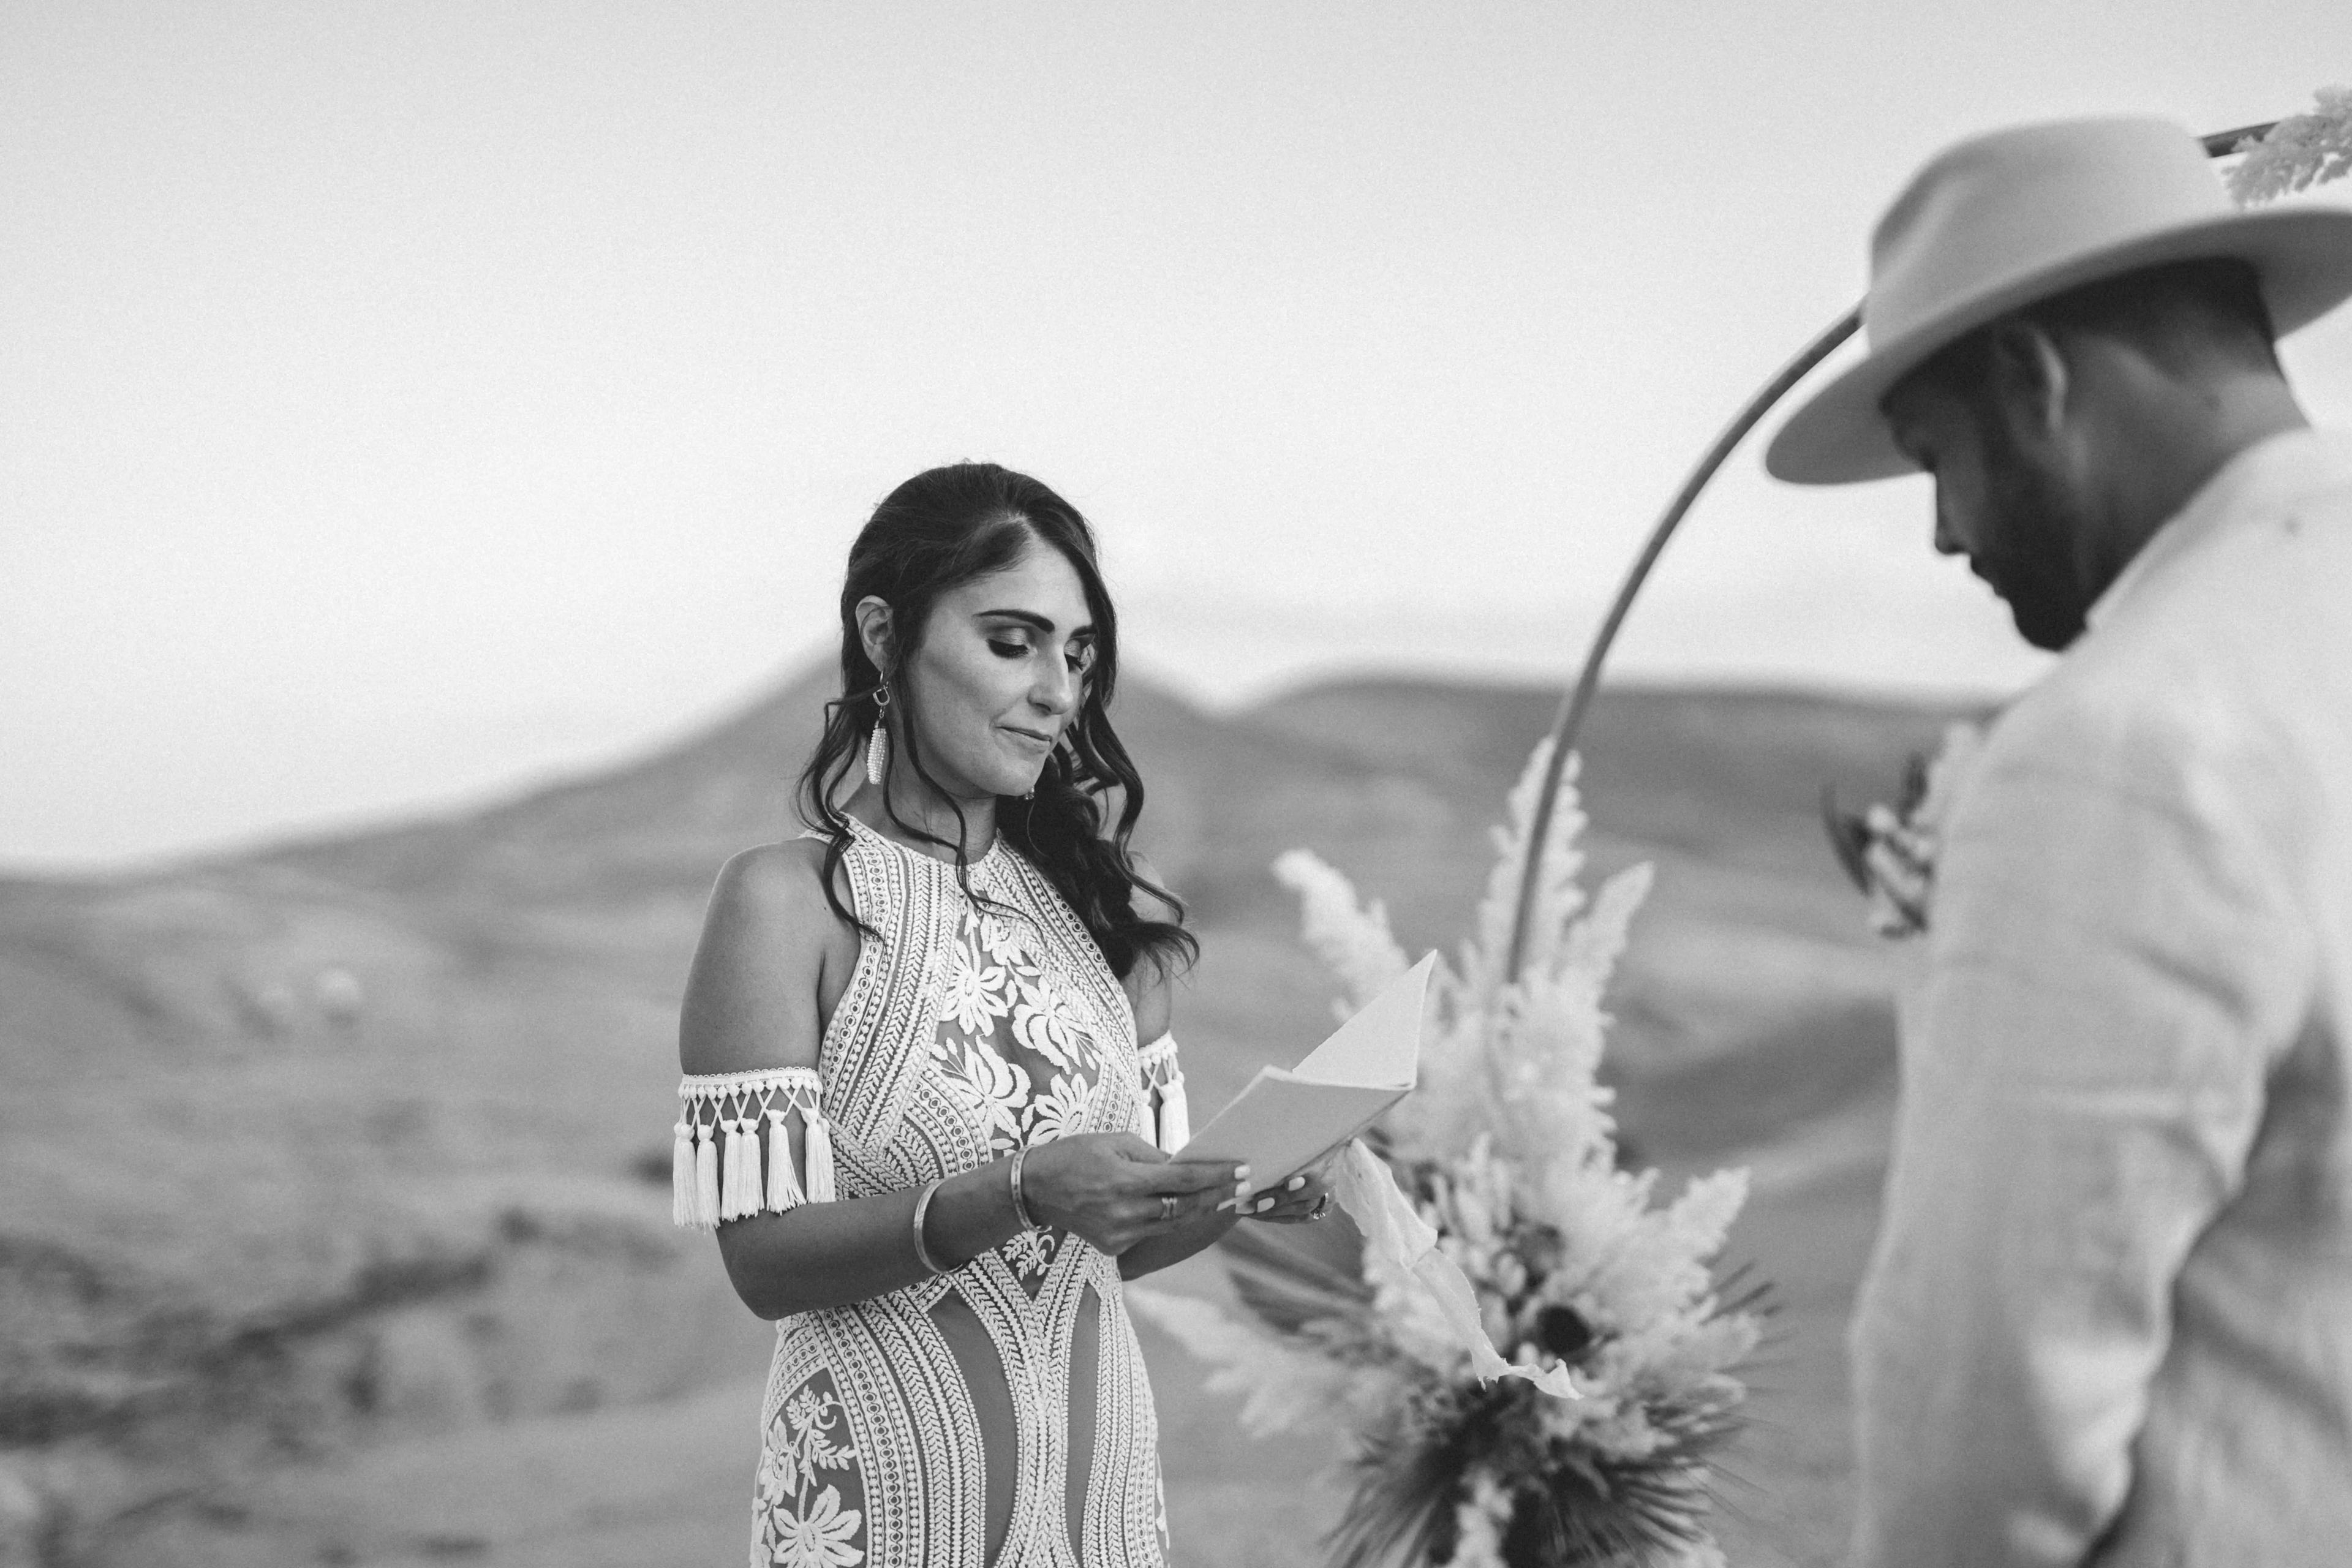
x=1043 y=1021
x=978 y=992
x=794 y=1532
x=819 y=1538
x=1061 y=1110
x=1001 y=941
x=993 y=1091
x=1031 y=1253
x=991 y=975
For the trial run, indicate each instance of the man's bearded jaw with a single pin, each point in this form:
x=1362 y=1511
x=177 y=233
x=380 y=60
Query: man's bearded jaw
x=2047 y=616
x=2035 y=521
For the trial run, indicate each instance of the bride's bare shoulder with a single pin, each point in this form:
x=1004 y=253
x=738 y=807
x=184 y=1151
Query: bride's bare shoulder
x=774 y=878
x=772 y=945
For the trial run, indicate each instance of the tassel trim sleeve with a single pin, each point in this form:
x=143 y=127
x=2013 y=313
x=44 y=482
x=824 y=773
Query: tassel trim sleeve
x=1163 y=1091
x=753 y=1173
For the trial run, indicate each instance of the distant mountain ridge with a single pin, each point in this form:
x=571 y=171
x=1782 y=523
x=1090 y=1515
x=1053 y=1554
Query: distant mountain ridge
x=662 y=822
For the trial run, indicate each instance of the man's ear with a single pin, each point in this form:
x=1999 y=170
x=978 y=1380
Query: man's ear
x=876 y=635
x=2029 y=378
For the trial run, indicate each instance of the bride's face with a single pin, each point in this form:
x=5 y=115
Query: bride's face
x=999 y=674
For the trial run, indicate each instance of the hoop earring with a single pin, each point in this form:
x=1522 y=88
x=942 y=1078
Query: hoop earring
x=878 y=745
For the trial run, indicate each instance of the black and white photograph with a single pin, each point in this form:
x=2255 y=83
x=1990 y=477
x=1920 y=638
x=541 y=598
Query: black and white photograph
x=920 y=785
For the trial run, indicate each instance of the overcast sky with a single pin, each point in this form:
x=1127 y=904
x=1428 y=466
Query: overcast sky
x=400 y=402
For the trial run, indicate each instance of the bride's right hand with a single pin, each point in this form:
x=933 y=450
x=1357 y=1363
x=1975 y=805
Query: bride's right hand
x=1110 y=1187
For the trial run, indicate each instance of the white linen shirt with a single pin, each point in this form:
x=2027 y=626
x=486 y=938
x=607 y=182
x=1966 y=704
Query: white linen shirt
x=2109 y=1314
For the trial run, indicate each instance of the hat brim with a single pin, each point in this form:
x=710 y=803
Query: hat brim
x=2303 y=255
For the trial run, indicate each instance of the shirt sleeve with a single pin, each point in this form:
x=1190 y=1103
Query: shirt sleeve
x=2113 y=969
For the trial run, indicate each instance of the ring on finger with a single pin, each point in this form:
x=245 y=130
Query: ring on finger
x=1166 y=1207
x=1322 y=1206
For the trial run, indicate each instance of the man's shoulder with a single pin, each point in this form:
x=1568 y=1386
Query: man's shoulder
x=2208 y=686
x=2121 y=677
x=2132 y=715
x=2266 y=569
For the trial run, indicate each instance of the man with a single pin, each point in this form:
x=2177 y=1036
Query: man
x=2109 y=1316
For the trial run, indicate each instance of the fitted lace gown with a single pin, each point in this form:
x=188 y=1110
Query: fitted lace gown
x=998 y=1413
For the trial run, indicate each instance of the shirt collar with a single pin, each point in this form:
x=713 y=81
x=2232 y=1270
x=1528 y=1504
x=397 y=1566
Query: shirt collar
x=2266 y=477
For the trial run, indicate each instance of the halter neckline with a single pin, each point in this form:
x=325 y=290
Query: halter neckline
x=994 y=856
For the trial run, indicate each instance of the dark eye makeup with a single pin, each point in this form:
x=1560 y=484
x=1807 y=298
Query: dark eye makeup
x=1016 y=645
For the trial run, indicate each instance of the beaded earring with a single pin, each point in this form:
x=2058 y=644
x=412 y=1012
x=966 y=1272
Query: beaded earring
x=878 y=745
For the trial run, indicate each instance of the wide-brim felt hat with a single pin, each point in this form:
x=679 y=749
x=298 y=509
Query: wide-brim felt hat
x=2002 y=220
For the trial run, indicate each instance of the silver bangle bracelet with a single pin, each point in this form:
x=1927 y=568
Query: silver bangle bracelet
x=922 y=1207
x=1020 y=1204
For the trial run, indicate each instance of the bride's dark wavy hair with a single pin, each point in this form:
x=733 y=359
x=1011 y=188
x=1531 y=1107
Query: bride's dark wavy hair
x=939 y=530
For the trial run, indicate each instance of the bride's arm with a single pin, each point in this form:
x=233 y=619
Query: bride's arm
x=770 y=947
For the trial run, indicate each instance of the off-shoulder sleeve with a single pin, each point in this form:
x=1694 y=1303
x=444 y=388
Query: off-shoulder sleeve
x=1163 y=1091
x=755 y=1174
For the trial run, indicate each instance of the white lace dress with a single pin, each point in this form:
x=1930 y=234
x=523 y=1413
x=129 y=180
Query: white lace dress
x=1004 y=1401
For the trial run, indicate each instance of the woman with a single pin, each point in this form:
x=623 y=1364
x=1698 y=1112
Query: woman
x=915 y=1107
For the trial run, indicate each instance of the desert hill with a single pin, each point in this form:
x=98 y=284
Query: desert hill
x=362 y=1140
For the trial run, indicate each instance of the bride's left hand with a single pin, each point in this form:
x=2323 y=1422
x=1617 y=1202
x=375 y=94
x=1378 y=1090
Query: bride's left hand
x=1305 y=1196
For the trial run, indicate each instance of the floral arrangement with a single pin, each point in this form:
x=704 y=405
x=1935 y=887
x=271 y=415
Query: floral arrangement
x=1889 y=851
x=2300 y=152
x=1534 y=1364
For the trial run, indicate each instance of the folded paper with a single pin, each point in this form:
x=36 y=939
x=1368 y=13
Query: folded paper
x=1289 y=1119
